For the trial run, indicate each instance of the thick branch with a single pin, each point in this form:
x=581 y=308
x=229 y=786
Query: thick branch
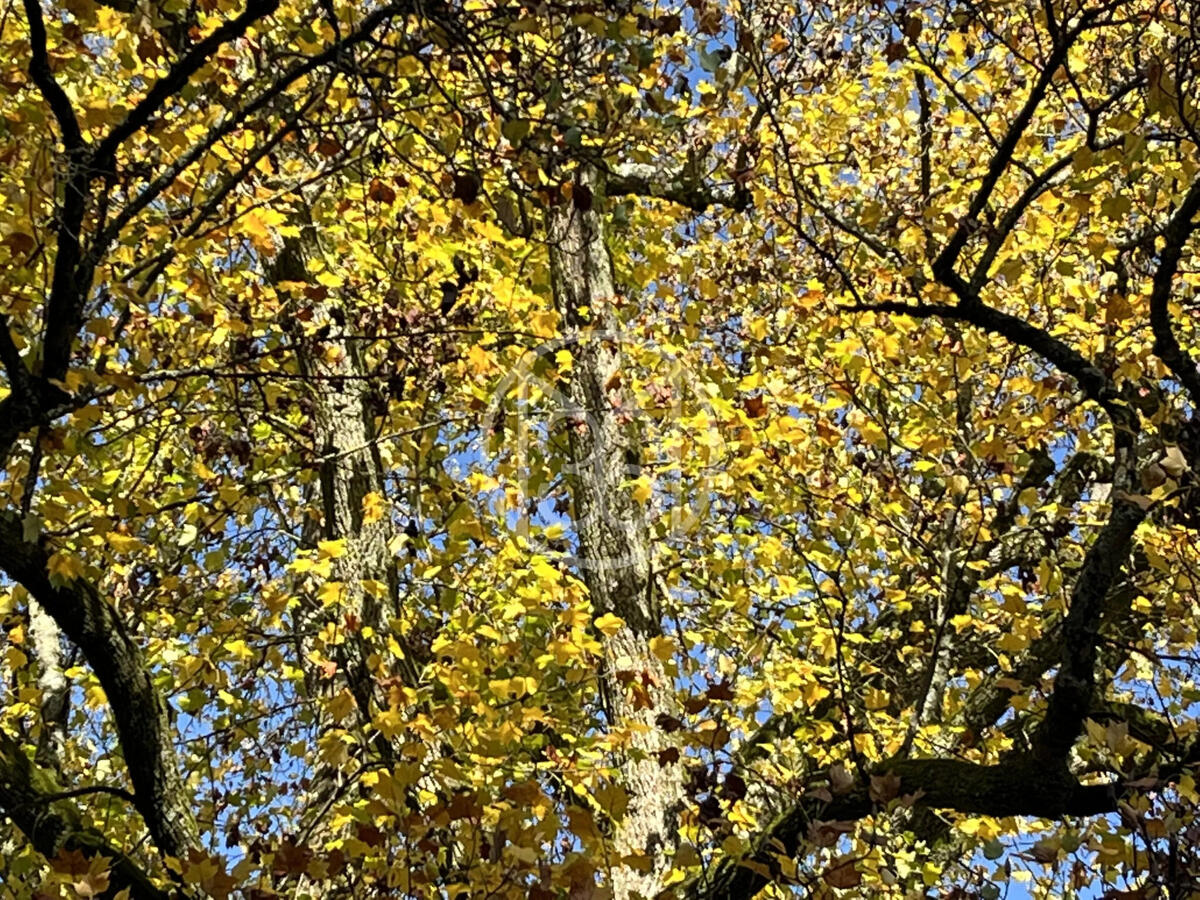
x=1092 y=380
x=684 y=188
x=1166 y=345
x=73 y=270
x=1016 y=788
x=43 y=77
x=31 y=400
x=29 y=798
x=64 y=289
x=138 y=709
x=1074 y=684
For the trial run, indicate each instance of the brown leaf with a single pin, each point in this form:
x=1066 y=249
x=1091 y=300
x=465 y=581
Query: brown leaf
x=1173 y=462
x=720 y=691
x=92 y=885
x=1153 y=476
x=291 y=858
x=70 y=862
x=884 y=787
x=669 y=724
x=380 y=192
x=669 y=24
x=19 y=242
x=463 y=806
x=1044 y=852
x=734 y=786
x=693 y=705
x=843 y=874
x=1141 y=501
x=371 y=836
x=840 y=781
x=755 y=407
x=147 y=49
x=826 y=834
x=711 y=20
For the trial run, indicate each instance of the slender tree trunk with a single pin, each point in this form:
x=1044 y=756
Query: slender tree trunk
x=615 y=551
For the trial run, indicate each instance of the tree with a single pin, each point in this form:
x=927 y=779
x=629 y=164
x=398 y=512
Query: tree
x=587 y=450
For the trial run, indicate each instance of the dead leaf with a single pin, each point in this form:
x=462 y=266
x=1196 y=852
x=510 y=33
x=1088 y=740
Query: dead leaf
x=843 y=874
x=840 y=781
x=380 y=192
x=755 y=407
x=884 y=787
x=1173 y=462
x=466 y=186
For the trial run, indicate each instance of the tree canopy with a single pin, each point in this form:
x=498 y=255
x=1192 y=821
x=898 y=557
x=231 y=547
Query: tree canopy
x=566 y=449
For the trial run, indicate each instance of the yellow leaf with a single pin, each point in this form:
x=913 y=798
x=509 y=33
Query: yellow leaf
x=256 y=224
x=608 y=624
x=875 y=699
x=332 y=549
x=122 y=543
x=479 y=359
x=330 y=593
x=373 y=507
x=340 y=705
x=643 y=489
x=663 y=647
x=65 y=565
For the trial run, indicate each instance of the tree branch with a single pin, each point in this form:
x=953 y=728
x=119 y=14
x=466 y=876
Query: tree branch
x=139 y=711
x=177 y=78
x=1074 y=684
x=31 y=800
x=1092 y=380
x=943 y=265
x=1014 y=788
x=1166 y=346
x=43 y=77
x=684 y=188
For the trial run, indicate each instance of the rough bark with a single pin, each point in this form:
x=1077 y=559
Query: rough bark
x=349 y=470
x=615 y=551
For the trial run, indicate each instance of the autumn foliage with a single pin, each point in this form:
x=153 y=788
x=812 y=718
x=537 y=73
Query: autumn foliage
x=714 y=450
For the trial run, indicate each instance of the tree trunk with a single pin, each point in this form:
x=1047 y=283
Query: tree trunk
x=614 y=544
